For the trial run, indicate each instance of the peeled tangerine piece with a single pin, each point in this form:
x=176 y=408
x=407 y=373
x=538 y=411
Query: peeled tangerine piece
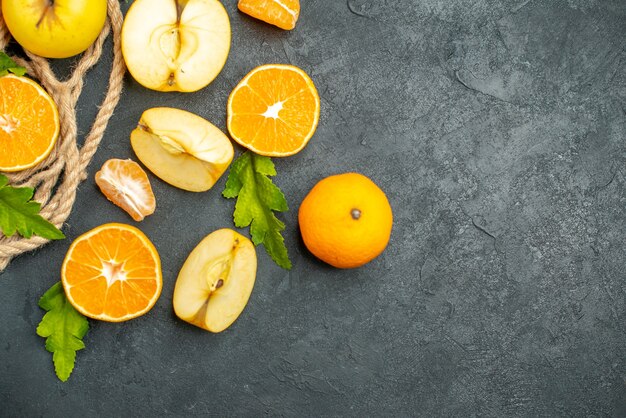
x=181 y=148
x=176 y=45
x=281 y=13
x=216 y=281
x=125 y=184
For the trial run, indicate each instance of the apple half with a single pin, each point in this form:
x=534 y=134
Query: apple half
x=176 y=45
x=215 y=283
x=181 y=148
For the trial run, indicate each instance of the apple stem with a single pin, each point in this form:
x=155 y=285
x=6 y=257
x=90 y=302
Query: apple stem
x=180 y=5
x=144 y=127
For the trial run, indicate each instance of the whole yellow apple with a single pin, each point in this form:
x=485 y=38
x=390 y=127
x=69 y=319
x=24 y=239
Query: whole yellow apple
x=55 y=28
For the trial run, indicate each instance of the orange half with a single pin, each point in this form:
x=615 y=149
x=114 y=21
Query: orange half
x=274 y=110
x=29 y=123
x=112 y=273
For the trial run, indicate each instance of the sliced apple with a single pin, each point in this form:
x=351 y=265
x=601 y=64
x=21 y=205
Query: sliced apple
x=216 y=281
x=181 y=148
x=176 y=45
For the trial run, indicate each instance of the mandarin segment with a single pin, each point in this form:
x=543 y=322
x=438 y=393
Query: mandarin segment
x=115 y=300
x=101 y=246
x=138 y=262
x=83 y=295
x=249 y=102
x=112 y=273
x=143 y=288
x=86 y=255
x=81 y=272
x=29 y=123
x=281 y=13
x=125 y=184
x=274 y=110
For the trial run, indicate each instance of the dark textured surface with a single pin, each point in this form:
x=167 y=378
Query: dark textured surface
x=497 y=129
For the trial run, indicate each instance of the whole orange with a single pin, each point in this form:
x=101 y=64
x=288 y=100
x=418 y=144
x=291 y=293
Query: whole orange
x=345 y=220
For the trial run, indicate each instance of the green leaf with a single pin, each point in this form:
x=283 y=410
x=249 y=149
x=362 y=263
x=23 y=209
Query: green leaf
x=257 y=197
x=19 y=213
x=8 y=65
x=63 y=327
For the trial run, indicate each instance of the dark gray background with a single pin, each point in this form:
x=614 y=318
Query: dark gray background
x=497 y=130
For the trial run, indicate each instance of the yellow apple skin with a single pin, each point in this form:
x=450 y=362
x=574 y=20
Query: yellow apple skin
x=181 y=148
x=176 y=45
x=215 y=283
x=55 y=29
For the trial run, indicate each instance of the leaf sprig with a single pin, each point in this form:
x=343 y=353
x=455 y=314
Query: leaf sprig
x=257 y=198
x=7 y=65
x=63 y=327
x=19 y=213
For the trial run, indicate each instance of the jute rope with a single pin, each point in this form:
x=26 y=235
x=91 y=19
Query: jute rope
x=57 y=178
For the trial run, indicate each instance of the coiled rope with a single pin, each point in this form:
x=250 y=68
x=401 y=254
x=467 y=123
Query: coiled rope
x=56 y=179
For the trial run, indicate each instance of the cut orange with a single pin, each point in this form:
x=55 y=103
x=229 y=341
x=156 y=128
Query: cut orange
x=125 y=184
x=274 y=110
x=112 y=273
x=29 y=123
x=281 y=13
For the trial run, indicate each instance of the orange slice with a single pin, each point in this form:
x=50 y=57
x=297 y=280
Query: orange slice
x=29 y=123
x=112 y=273
x=281 y=13
x=274 y=110
x=125 y=184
